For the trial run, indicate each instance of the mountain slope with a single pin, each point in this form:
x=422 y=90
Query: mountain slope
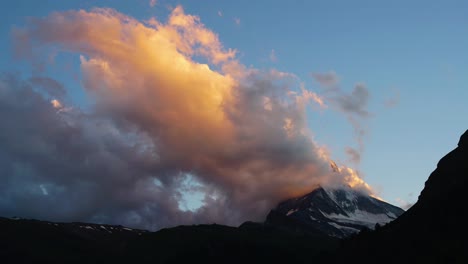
x=29 y=241
x=336 y=212
x=431 y=231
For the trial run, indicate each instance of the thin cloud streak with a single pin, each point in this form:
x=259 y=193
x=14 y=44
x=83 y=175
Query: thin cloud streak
x=353 y=105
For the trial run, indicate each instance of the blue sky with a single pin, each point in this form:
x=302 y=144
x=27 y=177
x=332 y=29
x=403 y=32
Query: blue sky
x=411 y=52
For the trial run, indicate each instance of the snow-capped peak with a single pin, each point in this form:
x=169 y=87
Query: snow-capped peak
x=338 y=211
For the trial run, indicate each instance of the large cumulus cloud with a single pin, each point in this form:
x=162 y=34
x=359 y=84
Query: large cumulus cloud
x=159 y=119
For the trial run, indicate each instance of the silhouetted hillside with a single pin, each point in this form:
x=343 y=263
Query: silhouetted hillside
x=431 y=231
x=32 y=241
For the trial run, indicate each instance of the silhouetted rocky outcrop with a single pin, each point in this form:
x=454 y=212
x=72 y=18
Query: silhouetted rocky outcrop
x=431 y=231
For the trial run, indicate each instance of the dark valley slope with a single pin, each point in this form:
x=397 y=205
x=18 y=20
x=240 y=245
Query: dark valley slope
x=434 y=230
x=32 y=241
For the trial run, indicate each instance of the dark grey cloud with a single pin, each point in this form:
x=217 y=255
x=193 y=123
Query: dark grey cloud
x=70 y=166
x=353 y=154
x=327 y=79
x=356 y=103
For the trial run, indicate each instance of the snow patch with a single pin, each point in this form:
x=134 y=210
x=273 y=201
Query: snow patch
x=360 y=217
x=292 y=211
x=391 y=215
x=345 y=229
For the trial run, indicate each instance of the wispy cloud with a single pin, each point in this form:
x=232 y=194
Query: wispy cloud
x=327 y=79
x=152 y=3
x=353 y=105
x=354 y=155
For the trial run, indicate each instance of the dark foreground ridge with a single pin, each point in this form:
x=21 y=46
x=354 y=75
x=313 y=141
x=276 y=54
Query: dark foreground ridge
x=32 y=241
x=432 y=231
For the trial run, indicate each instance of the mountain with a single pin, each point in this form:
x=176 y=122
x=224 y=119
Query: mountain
x=33 y=241
x=335 y=212
x=28 y=241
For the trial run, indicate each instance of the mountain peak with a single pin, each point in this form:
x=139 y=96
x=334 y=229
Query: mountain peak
x=337 y=212
x=463 y=140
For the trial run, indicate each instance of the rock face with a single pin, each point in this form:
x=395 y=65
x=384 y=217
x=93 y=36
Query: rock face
x=443 y=201
x=448 y=182
x=431 y=231
x=336 y=212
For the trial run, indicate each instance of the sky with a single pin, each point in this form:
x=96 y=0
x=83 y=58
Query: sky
x=157 y=113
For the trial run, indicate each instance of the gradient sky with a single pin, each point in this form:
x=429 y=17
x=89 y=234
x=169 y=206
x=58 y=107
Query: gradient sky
x=411 y=56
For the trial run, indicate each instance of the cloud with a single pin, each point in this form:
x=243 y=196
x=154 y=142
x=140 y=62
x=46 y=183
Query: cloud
x=159 y=119
x=353 y=105
x=152 y=3
x=327 y=79
x=306 y=96
x=237 y=20
x=220 y=13
x=354 y=155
